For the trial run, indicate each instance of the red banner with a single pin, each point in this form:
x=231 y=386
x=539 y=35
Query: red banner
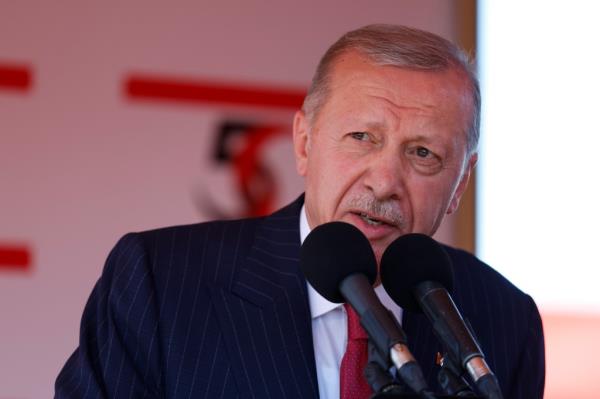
x=196 y=91
x=14 y=257
x=15 y=77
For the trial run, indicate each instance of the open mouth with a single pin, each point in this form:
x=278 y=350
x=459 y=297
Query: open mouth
x=370 y=220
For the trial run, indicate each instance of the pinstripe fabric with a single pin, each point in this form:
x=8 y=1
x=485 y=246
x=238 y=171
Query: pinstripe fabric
x=220 y=310
x=214 y=310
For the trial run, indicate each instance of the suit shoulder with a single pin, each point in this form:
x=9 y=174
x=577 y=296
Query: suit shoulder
x=505 y=320
x=204 y=233
x=469 y=271
x=209 y=251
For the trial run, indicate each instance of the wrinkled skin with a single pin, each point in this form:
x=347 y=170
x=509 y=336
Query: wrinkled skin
x=387 y=152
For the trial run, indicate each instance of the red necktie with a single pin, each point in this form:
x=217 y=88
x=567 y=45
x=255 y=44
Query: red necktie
x=353 y=384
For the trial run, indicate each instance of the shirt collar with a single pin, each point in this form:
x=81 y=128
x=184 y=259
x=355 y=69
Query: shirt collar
x=319 y=305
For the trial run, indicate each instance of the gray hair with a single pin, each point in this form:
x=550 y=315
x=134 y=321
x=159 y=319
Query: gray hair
x=398 y=46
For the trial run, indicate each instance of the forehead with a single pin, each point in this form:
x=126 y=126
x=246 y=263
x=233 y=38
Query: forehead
x=355 y=81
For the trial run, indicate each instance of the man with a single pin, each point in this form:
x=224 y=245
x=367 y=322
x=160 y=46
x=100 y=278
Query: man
x=386 y=141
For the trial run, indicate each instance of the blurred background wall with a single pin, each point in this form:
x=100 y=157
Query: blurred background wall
x=126 y=116
x=537 y=186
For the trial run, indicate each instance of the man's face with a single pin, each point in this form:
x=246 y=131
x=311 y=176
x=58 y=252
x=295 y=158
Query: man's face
x=387 y=150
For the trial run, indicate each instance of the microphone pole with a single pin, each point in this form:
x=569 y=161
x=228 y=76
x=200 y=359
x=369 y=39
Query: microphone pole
x=416 y=272
x=450 y=327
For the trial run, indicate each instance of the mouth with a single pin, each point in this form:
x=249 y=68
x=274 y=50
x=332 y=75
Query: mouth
x=378 y=229
x=372 y=220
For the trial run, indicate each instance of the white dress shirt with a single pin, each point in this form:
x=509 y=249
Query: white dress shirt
x=329 y=330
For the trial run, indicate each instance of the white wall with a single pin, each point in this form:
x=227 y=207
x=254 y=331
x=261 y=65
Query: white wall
x=538 y=188
x=81 y=164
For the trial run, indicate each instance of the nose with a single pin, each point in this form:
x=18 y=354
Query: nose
x=385 y=176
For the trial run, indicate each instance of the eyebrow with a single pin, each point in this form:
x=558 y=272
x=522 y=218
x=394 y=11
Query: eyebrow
x=377 y=126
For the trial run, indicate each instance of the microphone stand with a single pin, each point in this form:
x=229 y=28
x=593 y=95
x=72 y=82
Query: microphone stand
x=386 y=386
x=450 y=380
x=377 y=375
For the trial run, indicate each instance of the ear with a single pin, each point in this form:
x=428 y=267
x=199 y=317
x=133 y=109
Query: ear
x=462 y=185
x=301 y=142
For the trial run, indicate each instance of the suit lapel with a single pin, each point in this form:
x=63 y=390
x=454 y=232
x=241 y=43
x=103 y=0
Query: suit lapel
x=265 y=317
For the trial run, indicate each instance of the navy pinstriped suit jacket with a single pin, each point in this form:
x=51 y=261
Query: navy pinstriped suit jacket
x=220 y=310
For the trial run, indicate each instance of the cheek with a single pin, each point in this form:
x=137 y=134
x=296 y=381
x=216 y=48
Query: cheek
x=327 y=179
x=429 y=200
x=331 y=176
x=320 y=186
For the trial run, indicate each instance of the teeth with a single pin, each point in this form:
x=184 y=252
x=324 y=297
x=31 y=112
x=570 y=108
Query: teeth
x=370 y=221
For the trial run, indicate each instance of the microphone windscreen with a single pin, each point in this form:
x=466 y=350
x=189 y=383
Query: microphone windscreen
x=410 y=260
x=333 y=251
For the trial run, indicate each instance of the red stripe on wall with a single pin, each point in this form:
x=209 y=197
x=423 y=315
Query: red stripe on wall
x=14 y=257
x=173 y=89
x=15 y=77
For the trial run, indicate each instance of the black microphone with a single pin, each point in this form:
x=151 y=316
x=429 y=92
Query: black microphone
x=337 y=260
x=416 y=272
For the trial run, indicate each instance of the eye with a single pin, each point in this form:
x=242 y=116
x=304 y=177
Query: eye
x=425 y=160
x=361 y=136
x=423 y=152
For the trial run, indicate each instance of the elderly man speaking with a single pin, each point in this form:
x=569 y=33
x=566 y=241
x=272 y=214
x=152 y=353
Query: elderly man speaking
x=386 y=141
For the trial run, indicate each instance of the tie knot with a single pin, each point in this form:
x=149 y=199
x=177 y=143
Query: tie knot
x=355 y=330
